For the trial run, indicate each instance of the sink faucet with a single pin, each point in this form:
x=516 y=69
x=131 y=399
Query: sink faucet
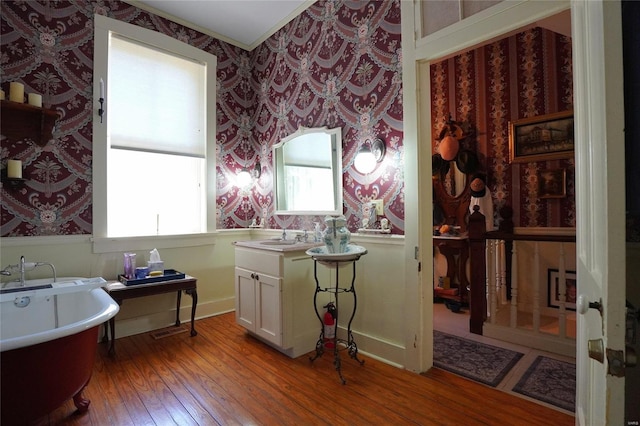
x=284 y=234
x=302 y=237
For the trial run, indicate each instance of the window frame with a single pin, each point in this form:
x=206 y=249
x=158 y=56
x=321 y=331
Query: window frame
x=103 y=26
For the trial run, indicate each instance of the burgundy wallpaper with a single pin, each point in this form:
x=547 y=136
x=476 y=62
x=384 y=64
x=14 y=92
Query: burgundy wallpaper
x=337 y=64
x=525 y=75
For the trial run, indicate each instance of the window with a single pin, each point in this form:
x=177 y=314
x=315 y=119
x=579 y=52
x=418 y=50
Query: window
x=303 y=191
x=155 y=146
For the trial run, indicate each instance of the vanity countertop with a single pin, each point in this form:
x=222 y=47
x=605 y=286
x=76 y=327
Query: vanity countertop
x=277 y=245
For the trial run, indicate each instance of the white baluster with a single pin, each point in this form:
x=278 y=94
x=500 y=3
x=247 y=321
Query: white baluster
x=491 y=288
x=536 y=288
x=513 y=322
x=502 y=272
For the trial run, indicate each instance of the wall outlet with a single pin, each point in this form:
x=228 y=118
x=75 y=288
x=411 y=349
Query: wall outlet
x=379 y=205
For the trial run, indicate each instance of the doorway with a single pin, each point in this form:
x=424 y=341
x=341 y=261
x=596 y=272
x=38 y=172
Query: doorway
x=599 y=91
x=523 y=74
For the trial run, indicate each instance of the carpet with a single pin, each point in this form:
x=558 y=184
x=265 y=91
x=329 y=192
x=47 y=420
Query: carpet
x=551 y=381
x=476 y=361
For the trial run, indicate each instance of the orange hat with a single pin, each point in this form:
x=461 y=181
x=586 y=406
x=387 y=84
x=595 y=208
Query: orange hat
x=449 y=148
x=478 y=186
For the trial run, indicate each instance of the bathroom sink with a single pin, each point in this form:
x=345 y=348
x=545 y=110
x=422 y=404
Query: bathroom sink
x=322 y=255
x=278 y=242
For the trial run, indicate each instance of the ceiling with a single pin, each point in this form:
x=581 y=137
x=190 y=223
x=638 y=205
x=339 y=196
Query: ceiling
x=247 y=23
x=244 y=23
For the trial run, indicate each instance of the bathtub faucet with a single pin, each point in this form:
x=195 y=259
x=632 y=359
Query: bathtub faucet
x=25 y=266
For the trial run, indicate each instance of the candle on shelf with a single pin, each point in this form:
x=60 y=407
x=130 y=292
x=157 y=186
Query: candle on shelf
x=1 y=95
x=35 y=99
x=14 y=169
x=101 y=89
x=16 y=92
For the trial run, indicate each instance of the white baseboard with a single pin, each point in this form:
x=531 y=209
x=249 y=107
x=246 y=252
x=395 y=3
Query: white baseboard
x=143 y=324
x=387 y=352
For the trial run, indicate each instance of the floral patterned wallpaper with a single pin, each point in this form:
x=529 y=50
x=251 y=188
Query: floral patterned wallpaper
x=337 y=64
x=526 y=75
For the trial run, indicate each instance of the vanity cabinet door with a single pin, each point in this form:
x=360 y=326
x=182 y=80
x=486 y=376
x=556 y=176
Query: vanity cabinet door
x=268 y=308
x=258 y=304
x=245 y=298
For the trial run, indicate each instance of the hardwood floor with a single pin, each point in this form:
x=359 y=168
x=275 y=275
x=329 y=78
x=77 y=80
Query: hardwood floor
x=223 y=376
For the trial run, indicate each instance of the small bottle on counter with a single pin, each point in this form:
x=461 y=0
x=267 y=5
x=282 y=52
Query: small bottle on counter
x=317 y=233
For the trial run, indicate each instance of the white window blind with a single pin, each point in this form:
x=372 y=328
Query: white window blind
x=157 y=101
x=154 y=149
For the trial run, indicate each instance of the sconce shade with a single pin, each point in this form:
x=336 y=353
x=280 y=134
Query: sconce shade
x=369 y=155
x=365 y=161
x=243 y=179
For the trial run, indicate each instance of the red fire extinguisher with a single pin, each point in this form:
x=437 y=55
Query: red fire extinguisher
x=329 y=321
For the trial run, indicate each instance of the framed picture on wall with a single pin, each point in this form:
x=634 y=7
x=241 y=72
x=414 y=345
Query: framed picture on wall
x=546 y=137
x=552 y=183
x=554 y=289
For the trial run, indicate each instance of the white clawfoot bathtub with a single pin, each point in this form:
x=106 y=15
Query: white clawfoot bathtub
x=49 y=337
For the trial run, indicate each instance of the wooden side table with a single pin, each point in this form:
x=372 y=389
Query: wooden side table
x=456 y=252
x=120 y=292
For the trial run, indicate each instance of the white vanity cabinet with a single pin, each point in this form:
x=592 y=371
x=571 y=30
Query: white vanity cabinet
x=258 y=287
x=274 y=297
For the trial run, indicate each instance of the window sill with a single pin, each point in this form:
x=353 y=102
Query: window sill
x=119 y=244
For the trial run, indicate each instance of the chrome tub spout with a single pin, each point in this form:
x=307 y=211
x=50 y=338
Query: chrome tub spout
x=23 y=266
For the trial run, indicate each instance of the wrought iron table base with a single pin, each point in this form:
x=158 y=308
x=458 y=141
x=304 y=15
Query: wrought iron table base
x=338 y=344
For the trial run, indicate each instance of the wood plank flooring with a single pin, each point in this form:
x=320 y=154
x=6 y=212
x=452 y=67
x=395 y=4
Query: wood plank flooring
x=225 y=377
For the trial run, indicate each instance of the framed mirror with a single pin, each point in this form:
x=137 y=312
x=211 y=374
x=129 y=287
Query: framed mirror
x=454 y=208
x=455 y=183
x=308 y=172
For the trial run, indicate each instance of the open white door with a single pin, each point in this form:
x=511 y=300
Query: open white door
x=599 y=136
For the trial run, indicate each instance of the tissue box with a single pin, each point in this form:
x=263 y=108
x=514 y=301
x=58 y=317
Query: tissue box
x=155 y=266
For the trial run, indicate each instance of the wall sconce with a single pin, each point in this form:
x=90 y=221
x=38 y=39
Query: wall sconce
x=246 y=176
x=368 y=155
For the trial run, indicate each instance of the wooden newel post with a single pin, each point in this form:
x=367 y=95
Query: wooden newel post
x=477 y=263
